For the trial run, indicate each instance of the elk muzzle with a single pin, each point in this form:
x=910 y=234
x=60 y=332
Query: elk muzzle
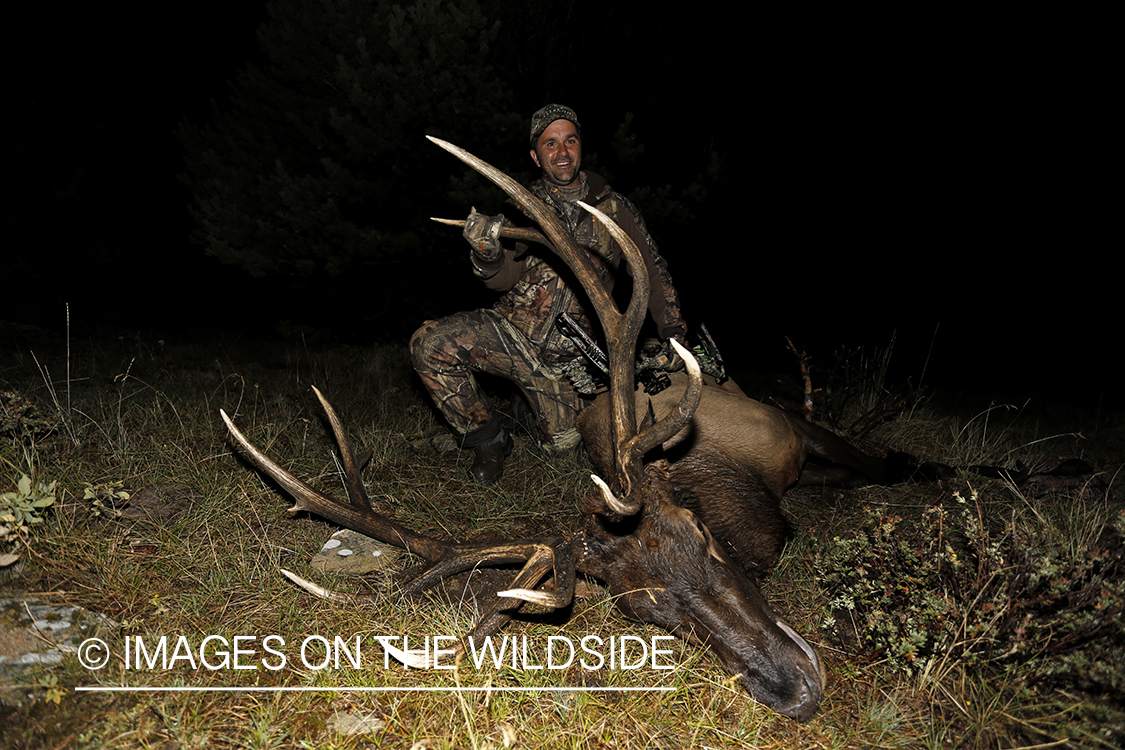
x=663 y=567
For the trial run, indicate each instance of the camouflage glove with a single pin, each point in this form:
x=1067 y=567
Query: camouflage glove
x=655 y=355
x=483 y=233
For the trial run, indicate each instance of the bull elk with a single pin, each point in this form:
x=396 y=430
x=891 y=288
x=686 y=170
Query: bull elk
x=736 y=457
x=660 y=563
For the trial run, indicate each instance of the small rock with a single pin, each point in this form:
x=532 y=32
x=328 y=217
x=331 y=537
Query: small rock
x=350 y=552
x=34 y=632
x=345 y=723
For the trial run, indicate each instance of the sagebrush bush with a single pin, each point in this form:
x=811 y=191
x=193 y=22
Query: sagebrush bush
x=20 y=419
x=23 y=508
x=1019 y=593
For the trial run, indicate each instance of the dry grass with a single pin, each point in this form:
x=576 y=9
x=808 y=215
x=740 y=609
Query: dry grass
x=146 y=414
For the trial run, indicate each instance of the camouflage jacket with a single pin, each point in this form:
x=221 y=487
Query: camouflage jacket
x=538 y=287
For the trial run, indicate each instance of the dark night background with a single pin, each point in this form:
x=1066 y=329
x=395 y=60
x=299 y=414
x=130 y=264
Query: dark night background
x=880 y=174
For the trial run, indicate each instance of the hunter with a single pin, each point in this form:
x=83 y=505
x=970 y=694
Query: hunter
x=520 y=337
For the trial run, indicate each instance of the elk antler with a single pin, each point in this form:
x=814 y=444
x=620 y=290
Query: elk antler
x=661 y=565
x=507 y=232
x=540 y=556
x=621 y=329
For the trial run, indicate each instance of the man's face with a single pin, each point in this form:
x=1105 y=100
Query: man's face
x=558 y=152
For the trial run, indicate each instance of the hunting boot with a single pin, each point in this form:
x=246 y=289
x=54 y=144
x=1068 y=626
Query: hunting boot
x=489 y=464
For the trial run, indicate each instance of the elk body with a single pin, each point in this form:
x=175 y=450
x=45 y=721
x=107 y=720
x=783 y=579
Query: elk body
x=735 y=459
x=657 y=558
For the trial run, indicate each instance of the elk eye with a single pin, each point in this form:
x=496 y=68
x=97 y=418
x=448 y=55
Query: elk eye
x=701 y=529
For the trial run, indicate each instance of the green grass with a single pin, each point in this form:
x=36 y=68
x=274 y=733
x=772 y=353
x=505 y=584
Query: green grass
x=146 y=414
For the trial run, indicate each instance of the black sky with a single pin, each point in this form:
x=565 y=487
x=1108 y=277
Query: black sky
x=893 y=174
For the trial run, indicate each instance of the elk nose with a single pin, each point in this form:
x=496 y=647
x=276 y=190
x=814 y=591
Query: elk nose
x=807 y=700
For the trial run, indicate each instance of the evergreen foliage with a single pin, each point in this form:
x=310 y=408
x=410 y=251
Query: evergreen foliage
x=320 y=168
x=315 y=175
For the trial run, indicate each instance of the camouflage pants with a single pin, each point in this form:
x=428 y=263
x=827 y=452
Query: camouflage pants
x=447 y=352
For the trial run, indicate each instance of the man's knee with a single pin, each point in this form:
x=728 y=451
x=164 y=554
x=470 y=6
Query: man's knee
x=421 y=344
x=445 y=345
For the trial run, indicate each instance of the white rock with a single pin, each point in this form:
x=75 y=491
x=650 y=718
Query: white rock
x=354 y=554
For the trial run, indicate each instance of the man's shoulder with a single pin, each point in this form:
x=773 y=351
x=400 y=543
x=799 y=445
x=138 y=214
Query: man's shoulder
x=599 y=188
x=609 y=194
x=601 y=191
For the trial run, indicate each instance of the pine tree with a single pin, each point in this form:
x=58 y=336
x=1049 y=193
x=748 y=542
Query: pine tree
x=319 y=170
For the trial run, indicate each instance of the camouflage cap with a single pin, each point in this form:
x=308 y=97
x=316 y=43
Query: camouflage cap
x=545 y=116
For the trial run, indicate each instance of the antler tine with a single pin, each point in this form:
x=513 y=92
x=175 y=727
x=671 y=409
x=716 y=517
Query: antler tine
x=545 y=558
x=563 y=243
x=318 y=591
x=611 y=500
x=306 y=497
x=562 y=557
x=511 y=233
x=356 y=494
x=364 y=521
x=622 y=344
x=462 y=557
x=542 y=558
x=679 y=417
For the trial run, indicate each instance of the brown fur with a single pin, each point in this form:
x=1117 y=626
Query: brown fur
x=751 y=525
x=733 y=462
x=663 y=566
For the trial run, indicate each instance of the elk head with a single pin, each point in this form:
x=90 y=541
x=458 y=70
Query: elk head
x=657 y=558
x=663 y=567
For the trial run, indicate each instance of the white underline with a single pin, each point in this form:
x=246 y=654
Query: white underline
x=369 y=689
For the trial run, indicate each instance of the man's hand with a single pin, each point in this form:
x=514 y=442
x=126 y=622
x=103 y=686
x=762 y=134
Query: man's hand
x=483 y=233
x=661 y=356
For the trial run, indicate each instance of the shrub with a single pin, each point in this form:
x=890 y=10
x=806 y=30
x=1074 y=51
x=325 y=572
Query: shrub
x=20 y=510
x=20 y=420
x=952 y=586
